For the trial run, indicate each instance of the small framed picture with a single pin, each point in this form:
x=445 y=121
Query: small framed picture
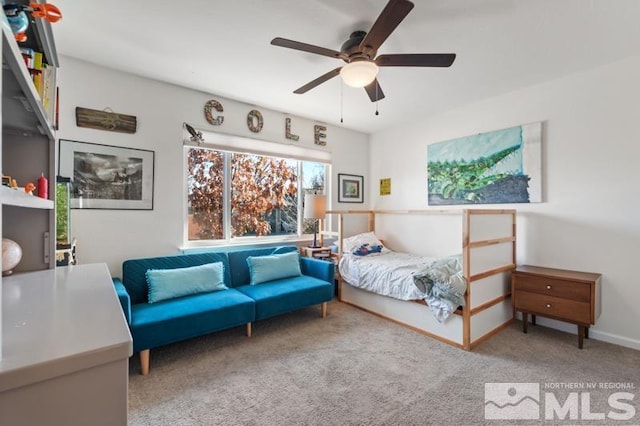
x=350 y=188
x=6 y=180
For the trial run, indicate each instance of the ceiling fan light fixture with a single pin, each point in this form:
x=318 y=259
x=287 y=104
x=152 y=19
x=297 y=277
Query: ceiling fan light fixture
x=360 y=53
x=359 y=73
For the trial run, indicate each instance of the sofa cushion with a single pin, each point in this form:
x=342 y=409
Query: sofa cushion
x=134 y=270
x=171 y=283
x=273 y=267
x=238 y=262
x=156 y=324
x=288 y=294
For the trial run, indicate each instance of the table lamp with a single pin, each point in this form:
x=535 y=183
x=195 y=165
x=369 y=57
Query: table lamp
x=314 y=208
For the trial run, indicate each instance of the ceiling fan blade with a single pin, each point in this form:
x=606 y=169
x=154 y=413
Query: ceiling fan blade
x=318 y=81
x=390 y=17
x=292 y=44
x=416 y=60
x=374 y=91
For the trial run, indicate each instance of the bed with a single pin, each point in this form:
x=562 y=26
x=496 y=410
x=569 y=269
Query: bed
x=477 y=247
x=405 y=276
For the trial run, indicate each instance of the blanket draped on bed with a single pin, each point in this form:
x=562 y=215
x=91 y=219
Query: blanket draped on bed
x=443 y=284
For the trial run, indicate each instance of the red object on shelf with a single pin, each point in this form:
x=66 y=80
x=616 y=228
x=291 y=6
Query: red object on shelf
x=43 y=187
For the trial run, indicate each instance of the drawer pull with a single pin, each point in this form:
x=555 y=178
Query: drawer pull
x=548 y=305
x=548 y=287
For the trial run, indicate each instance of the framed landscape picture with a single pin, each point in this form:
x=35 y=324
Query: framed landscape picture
x=107 y=177
x=350 y=188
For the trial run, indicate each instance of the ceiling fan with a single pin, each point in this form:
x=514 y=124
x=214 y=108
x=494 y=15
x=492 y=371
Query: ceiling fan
x=359 y=52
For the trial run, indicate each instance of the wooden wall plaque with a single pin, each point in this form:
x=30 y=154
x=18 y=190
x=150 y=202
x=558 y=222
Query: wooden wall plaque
x=105 y=120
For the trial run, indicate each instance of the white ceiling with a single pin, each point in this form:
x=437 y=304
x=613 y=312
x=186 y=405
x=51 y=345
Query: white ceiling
x=223 y=47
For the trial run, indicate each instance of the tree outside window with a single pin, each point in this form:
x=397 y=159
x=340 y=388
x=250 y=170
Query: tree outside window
x=264 y=194
x=205 y=181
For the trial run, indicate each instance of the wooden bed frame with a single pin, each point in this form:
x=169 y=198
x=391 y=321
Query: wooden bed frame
x=488 y=246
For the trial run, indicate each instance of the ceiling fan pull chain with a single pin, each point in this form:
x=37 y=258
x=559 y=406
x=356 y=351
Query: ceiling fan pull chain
x=377 y=113
x=341 y=101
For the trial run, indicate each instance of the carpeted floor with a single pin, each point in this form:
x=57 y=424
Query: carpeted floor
x=354 y=368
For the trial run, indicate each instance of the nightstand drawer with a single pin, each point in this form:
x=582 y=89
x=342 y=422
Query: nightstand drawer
x=558 y=307
x=553 y=287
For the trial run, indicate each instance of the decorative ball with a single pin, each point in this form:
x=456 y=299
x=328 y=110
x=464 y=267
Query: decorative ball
x=18 y=23
x=11 y=255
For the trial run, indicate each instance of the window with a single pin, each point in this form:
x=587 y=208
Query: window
x=237 y=195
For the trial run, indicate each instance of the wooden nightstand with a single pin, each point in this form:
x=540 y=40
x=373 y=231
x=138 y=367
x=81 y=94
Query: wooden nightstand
x=569 y=296
x=322 y=253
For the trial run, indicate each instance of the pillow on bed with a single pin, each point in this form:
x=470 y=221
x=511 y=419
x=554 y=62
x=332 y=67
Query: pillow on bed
x=351 y=244
x=367 y=249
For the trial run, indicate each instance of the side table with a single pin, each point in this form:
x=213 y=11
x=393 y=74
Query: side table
x=570 y=296
x=322 y=253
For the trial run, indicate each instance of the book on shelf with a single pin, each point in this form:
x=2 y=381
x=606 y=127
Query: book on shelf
x=49 y=92
x=43 y=76
x=37 y=60
x=27 y=55
x=38 y=81
x=38 y=74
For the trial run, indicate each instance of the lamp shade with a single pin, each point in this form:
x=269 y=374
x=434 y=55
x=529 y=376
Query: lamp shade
x=314 y=206
x=359 y=73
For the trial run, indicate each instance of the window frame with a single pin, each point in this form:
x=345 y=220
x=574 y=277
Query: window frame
x=227 y=239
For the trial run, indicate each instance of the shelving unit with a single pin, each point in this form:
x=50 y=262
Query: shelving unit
x=65 y=343
x=17 y=198
x=28 y=149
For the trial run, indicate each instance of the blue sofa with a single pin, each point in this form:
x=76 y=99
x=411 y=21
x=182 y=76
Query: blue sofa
x=241 y=303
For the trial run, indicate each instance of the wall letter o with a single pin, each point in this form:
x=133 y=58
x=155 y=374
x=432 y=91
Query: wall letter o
x=254 y=114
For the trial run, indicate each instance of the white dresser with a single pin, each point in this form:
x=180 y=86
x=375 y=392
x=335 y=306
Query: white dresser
x=65 y=349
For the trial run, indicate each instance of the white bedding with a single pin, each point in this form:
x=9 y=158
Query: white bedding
x=388 y=273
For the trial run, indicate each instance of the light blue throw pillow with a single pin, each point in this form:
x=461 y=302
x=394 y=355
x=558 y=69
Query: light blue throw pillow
x=170 y=283
x=263 y=269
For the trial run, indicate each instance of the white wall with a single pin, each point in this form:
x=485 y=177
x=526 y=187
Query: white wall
x=112 y=236
x=591 y=148
x=588 y=220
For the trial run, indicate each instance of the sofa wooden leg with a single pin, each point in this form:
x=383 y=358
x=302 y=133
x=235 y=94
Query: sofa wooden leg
x=248 y=329
x=144 y=362
x=324 y=309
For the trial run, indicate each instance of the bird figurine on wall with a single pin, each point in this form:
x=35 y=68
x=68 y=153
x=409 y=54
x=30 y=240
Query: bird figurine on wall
x=196 y=136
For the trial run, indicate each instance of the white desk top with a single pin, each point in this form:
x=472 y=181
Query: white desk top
x=59 y=321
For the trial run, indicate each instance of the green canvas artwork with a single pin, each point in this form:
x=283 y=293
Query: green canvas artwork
x=501 y=166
